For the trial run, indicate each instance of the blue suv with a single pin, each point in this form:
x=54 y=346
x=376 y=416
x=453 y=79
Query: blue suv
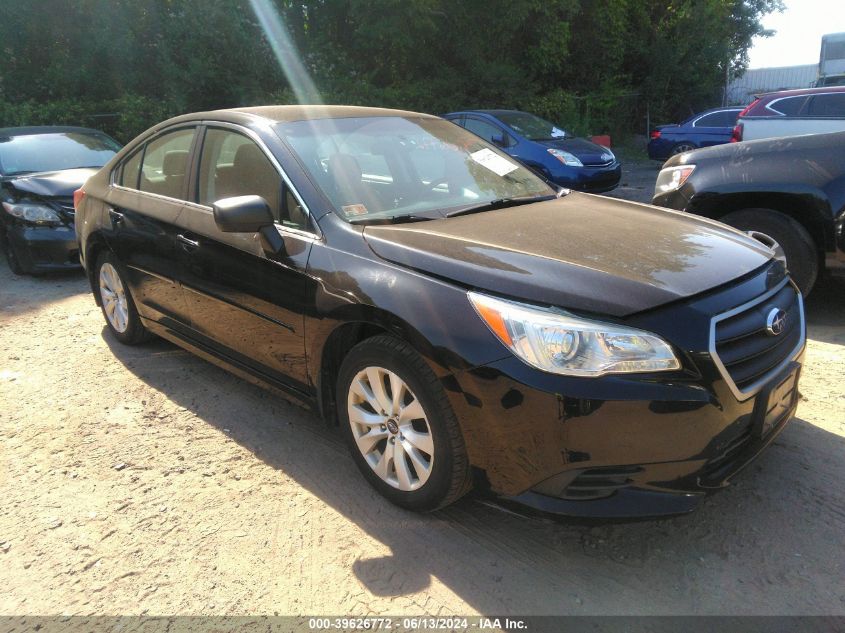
x=571 y=162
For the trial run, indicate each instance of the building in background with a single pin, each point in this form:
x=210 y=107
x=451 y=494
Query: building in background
x=741 y=90
x=832 y=60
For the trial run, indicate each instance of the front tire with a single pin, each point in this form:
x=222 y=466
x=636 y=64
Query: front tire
x=117 y=303
x=800 y=250
x=400 y=427
x=11 y=255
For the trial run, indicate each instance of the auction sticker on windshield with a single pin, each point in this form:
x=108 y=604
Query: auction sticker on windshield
x=492 y=161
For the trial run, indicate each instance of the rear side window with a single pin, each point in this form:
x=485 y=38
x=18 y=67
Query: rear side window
x=165 y=163
x=131 y=169
x=718 y=119
x=832 y=105
x=788 y=106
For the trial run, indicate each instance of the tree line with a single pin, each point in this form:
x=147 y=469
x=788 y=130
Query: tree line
x=594 y=66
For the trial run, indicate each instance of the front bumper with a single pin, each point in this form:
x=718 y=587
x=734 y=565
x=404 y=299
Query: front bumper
x=618 y=446
x=590 y=179
x=42 y=249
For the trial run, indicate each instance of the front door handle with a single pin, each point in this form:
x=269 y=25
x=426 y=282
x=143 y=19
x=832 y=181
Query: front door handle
x=187 y=243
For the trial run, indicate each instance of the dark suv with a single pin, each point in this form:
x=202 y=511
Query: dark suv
x=791 y=190
x=464 y=323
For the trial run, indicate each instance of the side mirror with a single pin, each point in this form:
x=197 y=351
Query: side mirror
x=248 y=214
x=500 y=140
x=242 y=214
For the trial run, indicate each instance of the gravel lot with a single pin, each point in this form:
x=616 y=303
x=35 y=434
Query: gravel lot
x=146 y=481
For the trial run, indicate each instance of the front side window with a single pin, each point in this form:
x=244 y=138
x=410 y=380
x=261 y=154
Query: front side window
x=234 y=165
x=389 y=167
x=485 y=130
x=165 y=163
x=31 y=153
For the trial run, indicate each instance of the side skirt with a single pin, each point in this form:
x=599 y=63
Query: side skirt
x=287 y=392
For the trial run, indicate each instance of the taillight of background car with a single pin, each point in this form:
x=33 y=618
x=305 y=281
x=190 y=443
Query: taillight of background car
x=655 y=134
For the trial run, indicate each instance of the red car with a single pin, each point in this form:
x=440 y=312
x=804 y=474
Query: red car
x=791 y=113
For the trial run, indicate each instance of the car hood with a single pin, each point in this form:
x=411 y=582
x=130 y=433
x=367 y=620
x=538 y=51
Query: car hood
x=586 y=151
x=580 y=252
x=52 y=184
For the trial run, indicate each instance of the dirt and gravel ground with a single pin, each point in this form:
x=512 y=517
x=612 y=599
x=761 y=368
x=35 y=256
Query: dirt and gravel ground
x=147 y=481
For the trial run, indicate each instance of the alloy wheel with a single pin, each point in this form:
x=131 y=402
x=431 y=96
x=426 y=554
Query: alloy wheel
x=391 y=428
x=113 y=295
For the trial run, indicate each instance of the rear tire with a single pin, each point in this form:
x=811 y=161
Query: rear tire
x=682 y=147
x=392 y=407
x=116 y=301
x=802 y=255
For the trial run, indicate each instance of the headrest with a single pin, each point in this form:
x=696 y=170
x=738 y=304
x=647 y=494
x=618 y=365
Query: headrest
x=175 y=162
x=249 y=158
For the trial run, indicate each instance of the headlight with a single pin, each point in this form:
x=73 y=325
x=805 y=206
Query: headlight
x=35 y=213
x=566 y=158
x=672 y=178
x=561 y=343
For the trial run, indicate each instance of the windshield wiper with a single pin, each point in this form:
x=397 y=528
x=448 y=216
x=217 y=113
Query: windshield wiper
x=392 y=219
x=500 y=203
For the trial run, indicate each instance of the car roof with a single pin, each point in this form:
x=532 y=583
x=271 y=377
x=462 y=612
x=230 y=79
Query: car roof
x=46 y=129
x=290 y=113
x=495 y=113
x=800 y=91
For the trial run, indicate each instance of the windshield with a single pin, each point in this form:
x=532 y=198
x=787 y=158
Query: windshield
x=55 y=151
x=532 y=127
x=394 y=167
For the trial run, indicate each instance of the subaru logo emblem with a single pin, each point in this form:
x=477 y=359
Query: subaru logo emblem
x=776 y=322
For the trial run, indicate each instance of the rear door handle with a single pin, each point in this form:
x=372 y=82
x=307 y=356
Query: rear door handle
x=187 y=243
x=116 y=216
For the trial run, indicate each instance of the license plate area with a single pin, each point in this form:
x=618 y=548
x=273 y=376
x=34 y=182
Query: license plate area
x=778 y=402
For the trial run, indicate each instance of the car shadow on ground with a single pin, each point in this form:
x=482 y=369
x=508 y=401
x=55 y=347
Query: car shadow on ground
x=41 y=290
x=503 y=563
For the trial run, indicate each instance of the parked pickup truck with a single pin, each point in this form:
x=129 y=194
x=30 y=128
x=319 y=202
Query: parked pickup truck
x=788 y=192
x=791 y=113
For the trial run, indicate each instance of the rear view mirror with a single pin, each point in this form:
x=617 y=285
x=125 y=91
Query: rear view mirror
x=500 y=140
x=248 y=214
x=242 y=214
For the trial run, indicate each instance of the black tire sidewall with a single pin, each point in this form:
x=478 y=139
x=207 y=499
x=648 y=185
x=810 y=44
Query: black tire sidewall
x=433 y=493
x=135 y=331
x=798 y=247
x=11 y=256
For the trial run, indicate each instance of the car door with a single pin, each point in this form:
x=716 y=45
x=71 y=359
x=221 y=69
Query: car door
x=146 y=199
x=715 y=128
x=247 y=305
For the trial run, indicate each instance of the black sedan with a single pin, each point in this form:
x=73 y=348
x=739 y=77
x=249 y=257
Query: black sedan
x=40 y=168
x=464 y=322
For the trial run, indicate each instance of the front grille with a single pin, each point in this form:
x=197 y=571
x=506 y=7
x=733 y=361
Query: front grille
x=598 y=483
x=746 y=352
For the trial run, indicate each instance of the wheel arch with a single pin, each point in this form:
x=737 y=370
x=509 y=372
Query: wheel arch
x=351 y=329
x=807 y=210
x=94 y=245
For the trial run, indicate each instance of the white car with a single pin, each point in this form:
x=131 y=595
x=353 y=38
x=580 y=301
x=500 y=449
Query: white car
x=792 y=112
